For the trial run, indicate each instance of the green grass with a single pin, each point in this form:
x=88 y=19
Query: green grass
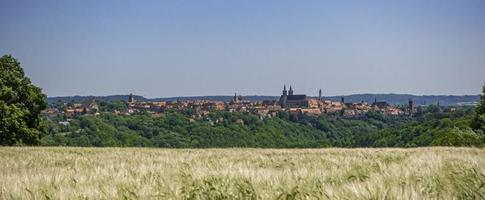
x=143 y=173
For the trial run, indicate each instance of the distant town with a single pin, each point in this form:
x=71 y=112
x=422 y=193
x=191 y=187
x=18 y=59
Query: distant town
x=289 y=101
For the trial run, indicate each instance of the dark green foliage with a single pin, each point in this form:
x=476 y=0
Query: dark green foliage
x=478 y=123
x=430 y=129
x=20 y=105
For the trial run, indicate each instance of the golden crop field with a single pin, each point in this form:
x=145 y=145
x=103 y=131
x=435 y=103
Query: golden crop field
x=144 y=173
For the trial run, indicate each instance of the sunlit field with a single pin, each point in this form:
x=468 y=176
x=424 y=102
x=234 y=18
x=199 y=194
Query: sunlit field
x=143 y=173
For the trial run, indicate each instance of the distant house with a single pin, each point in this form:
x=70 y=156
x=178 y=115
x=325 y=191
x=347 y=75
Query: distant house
x=362 y=106
x=90 y=105
x=51 y=112
x=393 y=111
x=218 y=105
x=379 y=105
x=313 y=103
x=332 y=107
x=311 y=111
x=270 y=103
x=72 y=111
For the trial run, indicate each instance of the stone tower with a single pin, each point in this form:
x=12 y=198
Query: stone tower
x=284 y=97
x=131 y=98
x=410 y=107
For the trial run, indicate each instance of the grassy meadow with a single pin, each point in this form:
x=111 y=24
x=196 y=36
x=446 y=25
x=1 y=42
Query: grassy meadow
x=144 y=173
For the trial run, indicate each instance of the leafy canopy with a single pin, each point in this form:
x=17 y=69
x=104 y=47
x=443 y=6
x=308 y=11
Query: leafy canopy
x=20 y=105
x=478 y=122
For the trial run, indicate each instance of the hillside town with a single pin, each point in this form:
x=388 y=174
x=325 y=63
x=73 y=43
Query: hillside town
x=288 y=102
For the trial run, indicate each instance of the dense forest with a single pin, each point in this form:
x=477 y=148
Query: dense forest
x=430 y=126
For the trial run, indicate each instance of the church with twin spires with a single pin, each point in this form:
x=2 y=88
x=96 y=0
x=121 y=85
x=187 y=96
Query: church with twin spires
x=290 y=100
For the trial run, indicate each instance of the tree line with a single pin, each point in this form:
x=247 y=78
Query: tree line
x=177 y=129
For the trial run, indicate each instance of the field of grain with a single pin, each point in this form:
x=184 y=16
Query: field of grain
x=143 y=173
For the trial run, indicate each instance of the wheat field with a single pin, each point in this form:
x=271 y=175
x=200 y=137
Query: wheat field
x=144 y=173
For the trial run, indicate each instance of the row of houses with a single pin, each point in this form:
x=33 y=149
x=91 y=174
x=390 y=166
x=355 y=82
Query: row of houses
x=288 y=102
x=269 y=108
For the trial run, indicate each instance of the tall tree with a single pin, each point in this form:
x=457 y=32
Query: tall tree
x=478 y=122
x=20 y=105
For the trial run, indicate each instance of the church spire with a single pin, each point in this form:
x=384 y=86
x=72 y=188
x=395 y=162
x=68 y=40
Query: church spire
x=290 y=92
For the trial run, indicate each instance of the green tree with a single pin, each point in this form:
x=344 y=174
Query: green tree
x=20 y=105
x=457 y=137
x=478 y=122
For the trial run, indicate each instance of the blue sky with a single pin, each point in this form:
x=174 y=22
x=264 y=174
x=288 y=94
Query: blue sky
x=188 y=48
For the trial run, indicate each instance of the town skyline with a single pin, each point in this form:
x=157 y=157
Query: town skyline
x=392 y=98
x=288 y=102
